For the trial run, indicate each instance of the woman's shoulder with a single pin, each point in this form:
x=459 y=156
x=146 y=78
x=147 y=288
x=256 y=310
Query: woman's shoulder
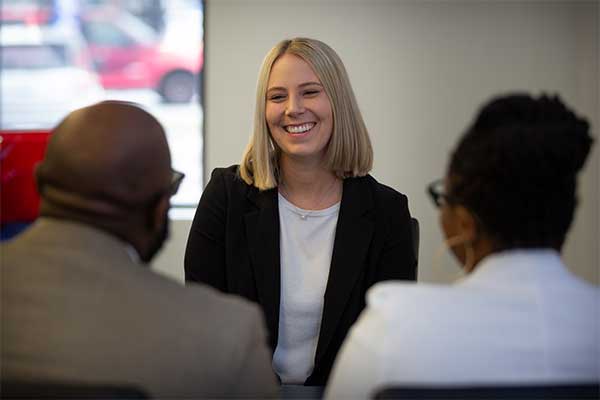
x=229 y=172
x=228 y=176
x=382 y=194
x=225 y=182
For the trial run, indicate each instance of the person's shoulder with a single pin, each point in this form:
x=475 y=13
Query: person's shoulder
x=381 y=192
x=215 y=302
x=220 y=308
x=198 y=310
x=222 y=329
x=229 y=176
x=383 y=293
x=387 y=192
x=386 y=200
x=231 y=170
x=228 y=173
x=195 y=297
x=12 y=246
x=401 y=297
x=15 y=253
x=393 y=307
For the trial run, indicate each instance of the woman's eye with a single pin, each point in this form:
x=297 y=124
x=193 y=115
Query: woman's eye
x=276 y=97
x=311 y=92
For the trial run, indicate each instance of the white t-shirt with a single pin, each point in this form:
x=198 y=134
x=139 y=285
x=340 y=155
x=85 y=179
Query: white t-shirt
x=306 y=246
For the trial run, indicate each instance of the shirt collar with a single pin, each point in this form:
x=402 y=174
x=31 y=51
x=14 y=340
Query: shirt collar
x=518 y=265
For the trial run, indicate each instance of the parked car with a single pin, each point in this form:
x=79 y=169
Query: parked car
x=38 y=12
x=129 y=54
x=45 y=73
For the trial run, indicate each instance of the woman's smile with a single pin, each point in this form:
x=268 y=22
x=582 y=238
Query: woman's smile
x=299 y=129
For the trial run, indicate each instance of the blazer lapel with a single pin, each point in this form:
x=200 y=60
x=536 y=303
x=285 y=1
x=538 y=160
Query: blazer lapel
x=262 y=231
x=352 y=240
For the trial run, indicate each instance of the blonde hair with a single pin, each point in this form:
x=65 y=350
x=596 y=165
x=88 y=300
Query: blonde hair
x=349 y=152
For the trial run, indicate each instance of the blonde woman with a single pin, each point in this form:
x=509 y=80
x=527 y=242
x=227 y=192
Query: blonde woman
x=299 y=226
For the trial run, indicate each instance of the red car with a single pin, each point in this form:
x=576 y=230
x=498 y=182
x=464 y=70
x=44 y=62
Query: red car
x=129 y=54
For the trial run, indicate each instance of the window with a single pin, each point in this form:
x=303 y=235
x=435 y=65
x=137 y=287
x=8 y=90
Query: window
x=32 y=57
x=64 y=54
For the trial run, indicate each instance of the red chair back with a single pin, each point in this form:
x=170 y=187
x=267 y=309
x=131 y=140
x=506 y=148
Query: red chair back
x=20 y=151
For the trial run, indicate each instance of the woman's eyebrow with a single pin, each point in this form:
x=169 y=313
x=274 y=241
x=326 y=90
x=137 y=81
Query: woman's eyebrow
x=301 y=86
x=271 y=89
x=310 y=84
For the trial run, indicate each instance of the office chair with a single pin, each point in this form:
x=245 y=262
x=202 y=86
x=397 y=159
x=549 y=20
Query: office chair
x=16 y=389
x=20 y=151
x=525 y=391
x=415 y=235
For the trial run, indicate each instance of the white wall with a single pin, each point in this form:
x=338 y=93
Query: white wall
x=419 y=69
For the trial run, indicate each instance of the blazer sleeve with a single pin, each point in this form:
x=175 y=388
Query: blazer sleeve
x=205 y=250
x=397 y=259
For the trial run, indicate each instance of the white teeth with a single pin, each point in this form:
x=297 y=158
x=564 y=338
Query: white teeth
x=299 y=128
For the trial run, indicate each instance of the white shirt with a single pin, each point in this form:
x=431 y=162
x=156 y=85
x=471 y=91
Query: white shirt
x=521 y=316
x=306 y=246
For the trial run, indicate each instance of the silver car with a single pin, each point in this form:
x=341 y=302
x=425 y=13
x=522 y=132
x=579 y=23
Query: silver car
x=45 y=73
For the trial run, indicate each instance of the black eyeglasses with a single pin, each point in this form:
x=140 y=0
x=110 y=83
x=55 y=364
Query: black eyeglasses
x=437 y=191
x=176 y=178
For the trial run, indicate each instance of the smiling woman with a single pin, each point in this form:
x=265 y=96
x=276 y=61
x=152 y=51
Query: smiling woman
x=299 y=226
x=298 y=111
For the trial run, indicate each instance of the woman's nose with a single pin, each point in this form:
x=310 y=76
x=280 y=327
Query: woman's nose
x=294 y=106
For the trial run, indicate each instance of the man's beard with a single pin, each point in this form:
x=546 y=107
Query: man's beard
x=158 y=240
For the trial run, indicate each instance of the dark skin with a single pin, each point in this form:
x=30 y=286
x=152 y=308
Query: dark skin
x=108 y=165
x=461 y=229
x=458 y=222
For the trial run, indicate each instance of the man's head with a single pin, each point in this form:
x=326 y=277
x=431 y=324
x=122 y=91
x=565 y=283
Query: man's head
x=108 y=165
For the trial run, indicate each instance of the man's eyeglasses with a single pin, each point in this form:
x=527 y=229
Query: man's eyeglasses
x=176 y=178
x=437 y=192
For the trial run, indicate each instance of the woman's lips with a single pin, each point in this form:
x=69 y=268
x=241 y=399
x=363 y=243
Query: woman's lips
x=300 y=128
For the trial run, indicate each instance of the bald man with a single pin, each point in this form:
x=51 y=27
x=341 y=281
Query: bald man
x=78 y=304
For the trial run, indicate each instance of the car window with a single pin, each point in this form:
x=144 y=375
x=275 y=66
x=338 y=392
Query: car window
x=33 y=57
x=105 y=34
x=136 y=29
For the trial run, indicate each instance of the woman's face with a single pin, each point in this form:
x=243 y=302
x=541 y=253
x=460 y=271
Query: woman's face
x=298 y=110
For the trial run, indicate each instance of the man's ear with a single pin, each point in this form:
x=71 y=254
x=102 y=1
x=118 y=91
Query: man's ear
x=160 y=212
x=466 y=223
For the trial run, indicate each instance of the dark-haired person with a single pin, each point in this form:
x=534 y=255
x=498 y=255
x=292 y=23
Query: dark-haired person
x=300 y=226
x=519 y=316
x=80 y=304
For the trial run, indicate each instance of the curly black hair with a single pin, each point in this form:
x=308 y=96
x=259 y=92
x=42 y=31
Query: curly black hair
x=516 y=169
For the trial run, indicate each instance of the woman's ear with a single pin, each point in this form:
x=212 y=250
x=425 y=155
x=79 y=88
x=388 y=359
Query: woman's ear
x=466 y=222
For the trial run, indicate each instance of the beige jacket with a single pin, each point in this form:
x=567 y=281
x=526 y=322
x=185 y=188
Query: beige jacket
x=77 y=307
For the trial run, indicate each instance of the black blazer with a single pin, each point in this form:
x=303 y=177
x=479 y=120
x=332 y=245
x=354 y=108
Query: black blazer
x=234 y=246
